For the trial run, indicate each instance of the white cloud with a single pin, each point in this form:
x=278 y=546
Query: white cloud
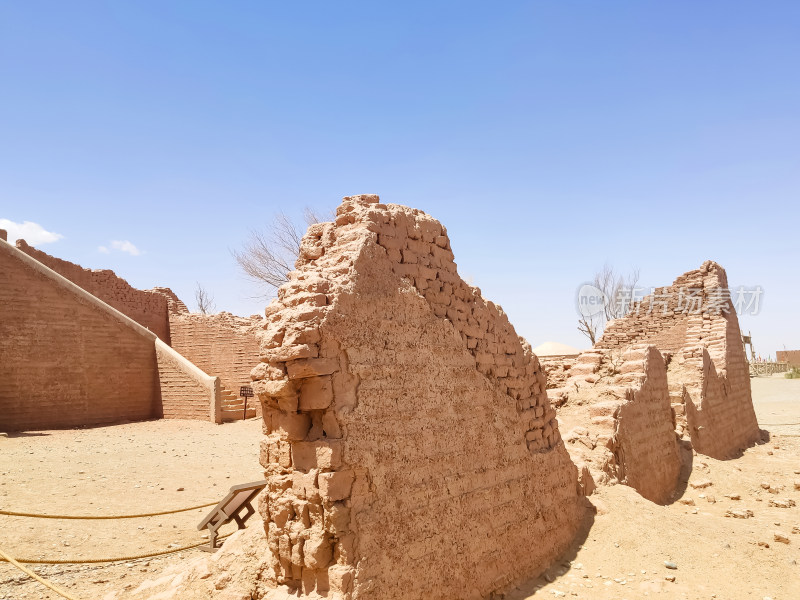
x=122 y=246
x=125 y=246
x=31 y=232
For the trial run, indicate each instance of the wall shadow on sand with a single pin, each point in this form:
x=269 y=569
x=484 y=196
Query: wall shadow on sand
x=562 y=565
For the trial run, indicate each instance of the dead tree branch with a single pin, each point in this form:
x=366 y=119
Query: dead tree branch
x=268 y=255
x=619 y=297
x=205 y=302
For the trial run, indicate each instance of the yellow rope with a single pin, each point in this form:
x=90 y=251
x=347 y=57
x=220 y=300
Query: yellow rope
x=153 y=514
x=30 y=573
x=87 y=561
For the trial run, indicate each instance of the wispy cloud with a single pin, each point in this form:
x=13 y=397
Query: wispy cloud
x=31 y=232
x=121 y=246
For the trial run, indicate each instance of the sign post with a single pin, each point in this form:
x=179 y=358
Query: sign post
x=245 y=392
x=236 y=506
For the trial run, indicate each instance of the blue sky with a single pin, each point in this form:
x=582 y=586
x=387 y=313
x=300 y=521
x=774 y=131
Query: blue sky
x=549 y=137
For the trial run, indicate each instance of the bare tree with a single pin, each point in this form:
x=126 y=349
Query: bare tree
x=588 y=327
x=268 y=255
x=205 y=301
x=618 y=297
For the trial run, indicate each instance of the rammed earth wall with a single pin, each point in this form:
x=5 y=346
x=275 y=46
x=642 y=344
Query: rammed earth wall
x=68 y=359
x=411 y=451
x=695 y=324
x=148 y=308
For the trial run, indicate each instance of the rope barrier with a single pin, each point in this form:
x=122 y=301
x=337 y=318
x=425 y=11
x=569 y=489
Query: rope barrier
x=88 y=561
x=30 y=573
x=153 y=514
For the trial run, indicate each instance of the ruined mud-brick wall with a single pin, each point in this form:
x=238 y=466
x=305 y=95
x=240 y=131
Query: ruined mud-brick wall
x=223 y=345
x=693 y=311
x=788 y=356
x=174 y=304
x=64 y=362
x=148 y=308
x=411 y=451
x=557 y=369
x=185 y=392
x=700 y=329
x=667 y=318
x=718 y=415
x=620 y=422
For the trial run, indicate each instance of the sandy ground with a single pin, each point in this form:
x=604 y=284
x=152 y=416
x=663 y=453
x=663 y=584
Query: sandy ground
x=621 y=553
x=777 y=404
x=122 y=469
x=625 y=544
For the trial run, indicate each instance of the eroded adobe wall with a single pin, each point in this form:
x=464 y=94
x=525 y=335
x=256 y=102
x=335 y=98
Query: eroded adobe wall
x=668 y=318
x=174 y=304
x=556 y=369
x=147 y=308
x=647 y=446
x=64 y=362
x=619 y=421
x=411 y=450
x=700 y=329
x=719 y=415
x=693 y=311
x=185 y=392
x=221 y=344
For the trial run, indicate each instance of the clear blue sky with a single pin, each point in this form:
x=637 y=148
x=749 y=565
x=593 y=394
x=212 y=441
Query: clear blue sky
x=549 y=137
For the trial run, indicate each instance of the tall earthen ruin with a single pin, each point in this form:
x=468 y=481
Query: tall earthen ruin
x=678 y=356
x=694 y=323
x=411 y=450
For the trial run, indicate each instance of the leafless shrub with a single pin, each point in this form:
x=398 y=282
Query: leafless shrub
x=588 y=327
x=268 y=255
x=205 y=301
x=617 y=301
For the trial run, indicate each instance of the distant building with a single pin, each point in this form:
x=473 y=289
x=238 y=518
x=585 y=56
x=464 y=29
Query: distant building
x=789 y=356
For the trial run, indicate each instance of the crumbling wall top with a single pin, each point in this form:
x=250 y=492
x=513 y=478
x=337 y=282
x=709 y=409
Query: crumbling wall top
x=696 y=310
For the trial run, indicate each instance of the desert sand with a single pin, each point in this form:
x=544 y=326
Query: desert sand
x=620 y=554
x=121 y=469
